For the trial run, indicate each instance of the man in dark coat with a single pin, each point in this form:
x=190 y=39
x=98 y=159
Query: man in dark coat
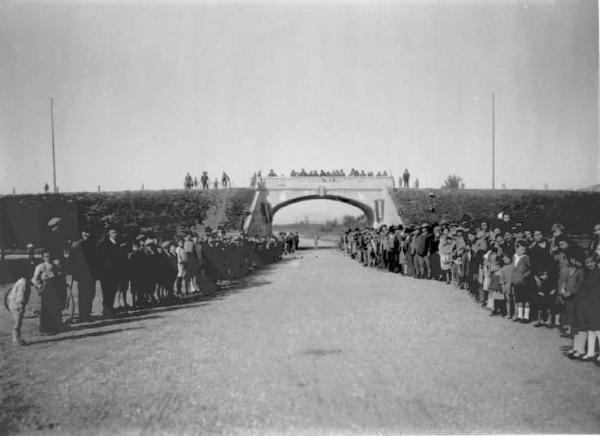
x=111 y=269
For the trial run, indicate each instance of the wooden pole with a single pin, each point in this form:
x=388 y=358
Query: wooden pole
x=493 y=143
x=53 y=153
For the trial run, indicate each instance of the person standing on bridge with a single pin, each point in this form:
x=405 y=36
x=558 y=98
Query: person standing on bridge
x=406 y=178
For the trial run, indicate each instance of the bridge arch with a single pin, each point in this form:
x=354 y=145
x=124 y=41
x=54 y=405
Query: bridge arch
x=367 y=210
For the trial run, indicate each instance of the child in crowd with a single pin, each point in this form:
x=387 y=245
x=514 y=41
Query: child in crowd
x=16 y=300
x=570 y=286
x=521 y=282
x=496 y=294
x=505 y=282
x=545 y=293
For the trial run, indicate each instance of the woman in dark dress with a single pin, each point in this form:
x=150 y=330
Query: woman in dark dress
x=588 y=308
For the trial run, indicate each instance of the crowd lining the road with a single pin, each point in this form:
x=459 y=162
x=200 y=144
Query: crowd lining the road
x=515 y=272
x=144 y=272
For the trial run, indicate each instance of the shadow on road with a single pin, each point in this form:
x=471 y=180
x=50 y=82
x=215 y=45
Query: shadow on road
x=225 y=289
x=86 y=335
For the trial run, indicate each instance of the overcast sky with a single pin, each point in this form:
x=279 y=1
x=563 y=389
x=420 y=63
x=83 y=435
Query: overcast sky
x=147 y=91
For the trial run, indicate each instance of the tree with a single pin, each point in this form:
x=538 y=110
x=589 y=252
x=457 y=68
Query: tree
x=452 y=182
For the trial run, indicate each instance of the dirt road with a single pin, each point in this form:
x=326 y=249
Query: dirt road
x=314 y=344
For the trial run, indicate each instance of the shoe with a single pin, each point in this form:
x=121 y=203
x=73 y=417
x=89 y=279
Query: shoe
x=47 y=333
x=538 y=324
x=574 y=355
x=586 y=358
x=517 y=320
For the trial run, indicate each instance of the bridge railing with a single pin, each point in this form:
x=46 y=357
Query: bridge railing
x=314 y=182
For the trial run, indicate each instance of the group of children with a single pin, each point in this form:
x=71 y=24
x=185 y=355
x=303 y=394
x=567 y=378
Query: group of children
x=517 y=273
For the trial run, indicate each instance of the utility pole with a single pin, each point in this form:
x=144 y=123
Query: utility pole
x=53 y=153
x=493 y=143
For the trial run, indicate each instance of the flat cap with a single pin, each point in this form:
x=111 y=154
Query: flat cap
x=54 y=221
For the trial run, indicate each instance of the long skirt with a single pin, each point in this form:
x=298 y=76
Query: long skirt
x=52 y=307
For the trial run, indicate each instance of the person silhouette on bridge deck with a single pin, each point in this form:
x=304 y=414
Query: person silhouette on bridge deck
x=406 y=178
x=272 y=174
x=204 y=179
x=225 y=180
x=188 y=182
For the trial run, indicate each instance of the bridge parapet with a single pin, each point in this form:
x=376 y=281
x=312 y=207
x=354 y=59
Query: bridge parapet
x=314 y=183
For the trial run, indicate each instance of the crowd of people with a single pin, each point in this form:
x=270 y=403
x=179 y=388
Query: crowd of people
x=528 y=275
x=403 y=181
x=290 y=240
x=132 y=274
x=190 y=182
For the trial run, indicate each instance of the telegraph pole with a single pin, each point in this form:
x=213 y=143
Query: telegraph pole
x=53 y=153
x=493 y=143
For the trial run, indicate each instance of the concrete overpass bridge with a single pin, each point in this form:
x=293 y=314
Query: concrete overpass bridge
x=369 y=194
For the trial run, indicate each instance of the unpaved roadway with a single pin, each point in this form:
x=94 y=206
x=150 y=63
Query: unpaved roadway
x=314 y=344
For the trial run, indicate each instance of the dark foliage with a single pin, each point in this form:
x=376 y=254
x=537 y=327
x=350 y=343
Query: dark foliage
x=578 y=211
x=24 y=218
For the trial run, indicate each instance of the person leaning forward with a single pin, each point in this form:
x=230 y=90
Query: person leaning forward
x=16 y=300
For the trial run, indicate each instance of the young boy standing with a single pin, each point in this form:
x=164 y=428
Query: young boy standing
x=15 y=301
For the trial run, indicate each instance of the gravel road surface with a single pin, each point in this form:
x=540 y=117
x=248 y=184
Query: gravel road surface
x=316 y=344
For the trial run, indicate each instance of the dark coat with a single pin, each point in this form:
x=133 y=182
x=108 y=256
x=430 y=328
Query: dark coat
x=112 y=262
x=521 y=273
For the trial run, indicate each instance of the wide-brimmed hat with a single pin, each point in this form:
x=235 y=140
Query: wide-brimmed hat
x=165 y=244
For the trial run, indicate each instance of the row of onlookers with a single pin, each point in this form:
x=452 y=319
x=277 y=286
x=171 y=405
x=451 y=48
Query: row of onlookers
x=526 y=275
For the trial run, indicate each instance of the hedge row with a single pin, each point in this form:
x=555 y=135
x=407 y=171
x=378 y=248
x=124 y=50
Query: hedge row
x=577 y=210
x=24 y=218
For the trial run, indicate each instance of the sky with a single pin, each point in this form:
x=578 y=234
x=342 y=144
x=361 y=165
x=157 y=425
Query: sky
x=146 y=91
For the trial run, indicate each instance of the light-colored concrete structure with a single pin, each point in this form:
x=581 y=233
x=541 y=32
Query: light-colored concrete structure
x=369 y=194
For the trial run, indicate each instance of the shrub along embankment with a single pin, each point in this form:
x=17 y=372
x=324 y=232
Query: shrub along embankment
x=577 y=210
x=24 y=218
